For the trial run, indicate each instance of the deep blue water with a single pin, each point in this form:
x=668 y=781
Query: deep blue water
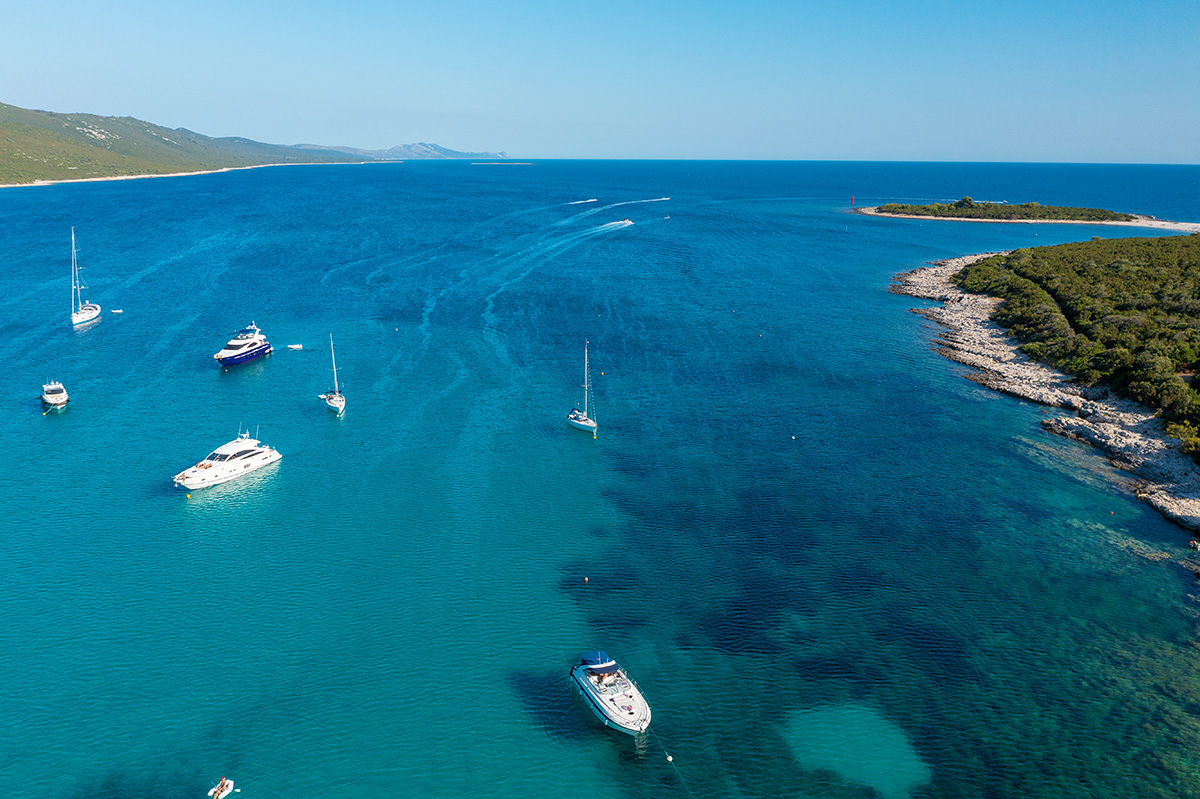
x=835 y=567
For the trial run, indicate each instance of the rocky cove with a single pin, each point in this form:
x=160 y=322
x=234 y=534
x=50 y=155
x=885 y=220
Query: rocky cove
x=1131 y=435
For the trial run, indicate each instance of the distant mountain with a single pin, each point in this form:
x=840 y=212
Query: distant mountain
x=43 y=145
x=406 y=151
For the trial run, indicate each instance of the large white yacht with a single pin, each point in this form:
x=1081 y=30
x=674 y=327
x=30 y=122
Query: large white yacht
x=54 y=394
x=610 y=693
x=228 y=462
x=248 y=344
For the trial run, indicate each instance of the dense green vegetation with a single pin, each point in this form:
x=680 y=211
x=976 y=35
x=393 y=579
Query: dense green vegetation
x=39 y=145
x=1124 y=313
x=966 y=208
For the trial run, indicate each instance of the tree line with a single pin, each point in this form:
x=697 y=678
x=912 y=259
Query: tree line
x=966 y=208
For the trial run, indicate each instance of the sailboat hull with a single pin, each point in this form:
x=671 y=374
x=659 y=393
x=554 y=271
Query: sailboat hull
x=85 y=314
x=577 y=419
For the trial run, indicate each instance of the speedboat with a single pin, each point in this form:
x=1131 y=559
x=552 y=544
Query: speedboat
x=248 y=344
x=228 y=462
x=610 y=693
x=54 y=394
x=221 y=789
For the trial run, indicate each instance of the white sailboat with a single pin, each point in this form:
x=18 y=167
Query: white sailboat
x=334 y=399
x=80 y=311
x=578 y=418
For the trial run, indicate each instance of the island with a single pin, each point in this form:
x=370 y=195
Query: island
x=1107 y=329
x=966 y=208
x=48 y=147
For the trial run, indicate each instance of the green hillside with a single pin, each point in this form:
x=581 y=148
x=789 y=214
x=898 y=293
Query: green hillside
x=41 y=145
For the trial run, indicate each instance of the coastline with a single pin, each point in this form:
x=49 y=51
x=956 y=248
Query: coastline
x=171 y=174
x=1130 y=434
x=1140 y=221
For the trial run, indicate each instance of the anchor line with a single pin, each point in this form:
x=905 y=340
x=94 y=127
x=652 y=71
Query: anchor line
x=671 y=760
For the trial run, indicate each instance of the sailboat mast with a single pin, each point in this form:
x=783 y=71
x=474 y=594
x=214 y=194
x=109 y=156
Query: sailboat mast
x=585 y=380
x=74 y=274
x=333 y=358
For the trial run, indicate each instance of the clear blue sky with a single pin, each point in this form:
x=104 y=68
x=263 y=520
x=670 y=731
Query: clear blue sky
x=1007 y=80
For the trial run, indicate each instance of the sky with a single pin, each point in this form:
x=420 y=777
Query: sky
x=1006 y=80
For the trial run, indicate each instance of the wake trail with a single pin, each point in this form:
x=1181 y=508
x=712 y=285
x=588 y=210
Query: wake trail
x=592 y=211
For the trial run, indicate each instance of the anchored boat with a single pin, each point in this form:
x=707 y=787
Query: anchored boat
x=609 y=692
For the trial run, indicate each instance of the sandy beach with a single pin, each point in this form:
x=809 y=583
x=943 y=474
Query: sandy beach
x=1140 y=221
x=1130 y=434
x=168 y=174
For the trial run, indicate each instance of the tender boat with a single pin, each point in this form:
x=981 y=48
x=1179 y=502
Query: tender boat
x=334 y=399
x=295 y=346
x=54 y=394
x=80 y=311
x=610 y=693
x=228 y=462
x=248 y=344
x=221 y=789
x=578 y=418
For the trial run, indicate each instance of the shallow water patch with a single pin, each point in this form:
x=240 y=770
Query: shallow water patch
x=860 y=745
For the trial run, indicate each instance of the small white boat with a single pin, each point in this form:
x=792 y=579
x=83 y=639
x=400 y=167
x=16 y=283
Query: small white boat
x=221 y=789
x=80 y=311
x=334 y=399
x=295 y=346
x=54 y=394
x=578 y=418
x=228 y=462
x=117 y=310
x=248 y=344
x=610 y=693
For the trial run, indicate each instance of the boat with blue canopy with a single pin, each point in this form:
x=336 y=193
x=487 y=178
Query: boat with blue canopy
x=612 y=696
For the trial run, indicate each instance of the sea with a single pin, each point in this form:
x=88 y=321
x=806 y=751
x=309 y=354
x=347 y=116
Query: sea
x=834 y=566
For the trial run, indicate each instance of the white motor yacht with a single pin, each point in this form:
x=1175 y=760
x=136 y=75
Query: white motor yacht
x=610 y=693
x=248 y=344
x=228 y=462
x=54 y=394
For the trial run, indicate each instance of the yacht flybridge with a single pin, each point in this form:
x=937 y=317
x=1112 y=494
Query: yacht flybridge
x=610 y=693
x=228 y=462
x=248 y=344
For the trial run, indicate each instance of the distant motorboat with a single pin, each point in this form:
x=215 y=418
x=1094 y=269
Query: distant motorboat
x=609 y=692
x=228 y=462
x=80 y=311
x=334 y=399
x=578 y=418
x=54 y=394
x=117 y=310
x=295 y=346
x=248 y=344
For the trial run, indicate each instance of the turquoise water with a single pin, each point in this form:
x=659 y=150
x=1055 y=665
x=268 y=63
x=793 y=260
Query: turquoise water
x=835 y=567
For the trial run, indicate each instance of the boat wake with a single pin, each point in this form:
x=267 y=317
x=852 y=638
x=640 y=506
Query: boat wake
x=581 y=202
x=598 y=209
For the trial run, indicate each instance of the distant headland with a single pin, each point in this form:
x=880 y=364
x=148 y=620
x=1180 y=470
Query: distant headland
x=48 y=147
x=968 y=210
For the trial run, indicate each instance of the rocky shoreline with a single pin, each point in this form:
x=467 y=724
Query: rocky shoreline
x=1130 y=434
